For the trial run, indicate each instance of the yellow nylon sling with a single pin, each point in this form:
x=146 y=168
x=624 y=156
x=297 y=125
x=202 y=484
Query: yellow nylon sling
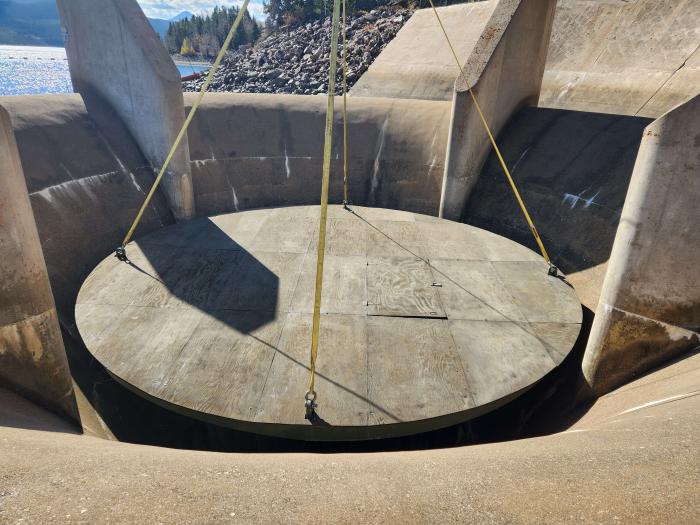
x=530 y=223
x=346 y=200
x=234 y=28
x=310 y=396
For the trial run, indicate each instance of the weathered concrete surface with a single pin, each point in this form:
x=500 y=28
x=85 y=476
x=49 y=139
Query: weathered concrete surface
x=649 y=308
x=638 y=57
x=251 y=151
x=573 y=170
x=121 y=63
x=32 y=358
x=504 y=70
x=85 y=184
x=426 y=322
x=418 y=63
x=632 y=458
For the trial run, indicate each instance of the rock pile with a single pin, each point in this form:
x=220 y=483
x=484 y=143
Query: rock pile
x=296 y=60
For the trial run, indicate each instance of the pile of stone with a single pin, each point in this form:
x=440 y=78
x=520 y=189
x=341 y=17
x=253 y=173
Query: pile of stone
x=296 y=60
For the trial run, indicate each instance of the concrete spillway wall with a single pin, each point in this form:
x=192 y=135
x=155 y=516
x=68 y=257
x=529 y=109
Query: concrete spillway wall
x=622 y=225
x=626 y=57
x=250 y=151
x=573 y=170
x=85 y=185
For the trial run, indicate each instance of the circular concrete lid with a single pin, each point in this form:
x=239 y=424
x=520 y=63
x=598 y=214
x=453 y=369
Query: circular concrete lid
x=425 y=322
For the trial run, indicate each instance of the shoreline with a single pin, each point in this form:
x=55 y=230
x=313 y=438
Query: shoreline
x=178 y=59
x=193 y=63
x=184 y=61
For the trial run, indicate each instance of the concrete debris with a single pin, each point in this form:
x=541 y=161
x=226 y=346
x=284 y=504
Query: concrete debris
x=295 y=60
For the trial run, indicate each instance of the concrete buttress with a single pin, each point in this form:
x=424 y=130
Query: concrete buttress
x=649 y=309
x=32 y=357
x=504 y=70
x=121 y=63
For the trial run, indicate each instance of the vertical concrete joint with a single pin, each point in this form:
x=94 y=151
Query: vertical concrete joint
x=121 y=63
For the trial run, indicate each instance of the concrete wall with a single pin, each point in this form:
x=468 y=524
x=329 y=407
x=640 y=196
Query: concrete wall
x=32 y=358
x=573 y=170
x=135 y=78
x=418 y=63
x=504 y=70
x=630 y=57
x=649 y=308
x=250 y=151
x=85 y=183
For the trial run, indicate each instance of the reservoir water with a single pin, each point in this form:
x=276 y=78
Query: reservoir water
x=26 y=70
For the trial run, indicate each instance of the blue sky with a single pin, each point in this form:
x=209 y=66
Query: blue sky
x=169 y=8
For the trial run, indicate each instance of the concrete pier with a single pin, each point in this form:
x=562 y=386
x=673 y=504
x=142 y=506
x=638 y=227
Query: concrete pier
x=417 y=63
x=121 y=63
x=649 y=309
x=505 y=71
x=32 y=358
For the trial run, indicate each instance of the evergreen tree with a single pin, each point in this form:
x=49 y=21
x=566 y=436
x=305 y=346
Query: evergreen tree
x=204 y=35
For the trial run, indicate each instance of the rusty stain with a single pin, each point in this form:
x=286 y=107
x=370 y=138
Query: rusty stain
x=685 y=314
x=633 y=345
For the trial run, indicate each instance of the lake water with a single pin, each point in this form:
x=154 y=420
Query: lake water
x=26 y=70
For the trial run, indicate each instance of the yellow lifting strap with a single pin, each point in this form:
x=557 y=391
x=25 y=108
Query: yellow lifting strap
x=310 y=397
x=222 y=52
x=346 y=201
x=531 y=224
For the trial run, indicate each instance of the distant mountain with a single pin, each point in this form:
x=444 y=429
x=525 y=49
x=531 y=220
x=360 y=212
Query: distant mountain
x=36 y=23
x=182 y=16
x=161 y=25
x=30 y=22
